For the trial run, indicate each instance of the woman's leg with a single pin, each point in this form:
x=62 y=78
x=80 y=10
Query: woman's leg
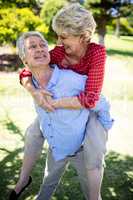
x=94 y=153
x=33 y=147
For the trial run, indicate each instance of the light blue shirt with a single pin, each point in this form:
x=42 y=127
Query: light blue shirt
x=64 y=129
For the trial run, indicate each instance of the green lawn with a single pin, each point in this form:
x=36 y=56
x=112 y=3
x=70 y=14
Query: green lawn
x=17 y=112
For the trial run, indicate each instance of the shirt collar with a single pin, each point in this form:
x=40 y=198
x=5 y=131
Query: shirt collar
x=55 y=76
x=53 y=80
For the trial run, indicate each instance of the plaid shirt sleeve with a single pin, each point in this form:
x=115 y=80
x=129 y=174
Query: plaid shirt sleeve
x=24 y=73
x=94 y=83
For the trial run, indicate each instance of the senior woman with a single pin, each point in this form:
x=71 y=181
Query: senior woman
x=74 y=26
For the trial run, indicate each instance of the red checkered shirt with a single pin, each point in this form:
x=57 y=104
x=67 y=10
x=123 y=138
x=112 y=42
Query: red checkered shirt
x=92 y=65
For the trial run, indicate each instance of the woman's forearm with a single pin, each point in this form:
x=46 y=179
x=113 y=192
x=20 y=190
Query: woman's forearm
x=27 y=84
x=67 y=103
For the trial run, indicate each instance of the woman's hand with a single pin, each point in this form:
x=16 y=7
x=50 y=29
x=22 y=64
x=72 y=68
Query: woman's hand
x=42 y=98
x=39 y=95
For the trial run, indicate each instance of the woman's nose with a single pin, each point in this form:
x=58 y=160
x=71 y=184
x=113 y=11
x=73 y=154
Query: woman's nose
x=59 y=41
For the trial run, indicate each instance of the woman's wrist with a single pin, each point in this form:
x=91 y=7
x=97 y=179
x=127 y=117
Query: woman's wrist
x=67 y=103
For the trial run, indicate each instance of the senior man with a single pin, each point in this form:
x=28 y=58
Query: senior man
x=64 y=129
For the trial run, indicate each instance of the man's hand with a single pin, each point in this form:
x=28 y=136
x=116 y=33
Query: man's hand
x=42 y=97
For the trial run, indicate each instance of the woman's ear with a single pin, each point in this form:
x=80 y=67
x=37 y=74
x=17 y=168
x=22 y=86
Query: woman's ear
x=82 y=39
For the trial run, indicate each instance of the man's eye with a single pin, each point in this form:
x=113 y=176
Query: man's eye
x=43 y=45
x=32 y=46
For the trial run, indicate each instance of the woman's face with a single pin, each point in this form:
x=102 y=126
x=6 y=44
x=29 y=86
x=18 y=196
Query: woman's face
x=72 y=44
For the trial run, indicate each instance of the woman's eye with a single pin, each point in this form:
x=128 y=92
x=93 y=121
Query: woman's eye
x=63 y=38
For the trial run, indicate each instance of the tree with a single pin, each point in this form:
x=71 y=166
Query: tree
x=32 y=4
x=104 y=11
x=124 y=23
x=14 y=21
x=18 y=3
x=49 y=9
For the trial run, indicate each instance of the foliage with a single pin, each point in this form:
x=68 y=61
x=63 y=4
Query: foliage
x=126 y=22
x=105 y=11
x=49 y=9
x=126 y=27
x=14 y=21
x=18 y=3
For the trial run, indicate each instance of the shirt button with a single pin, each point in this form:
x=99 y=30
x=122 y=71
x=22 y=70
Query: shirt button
x=51 y=136
x=49 y=124
x=53 y=147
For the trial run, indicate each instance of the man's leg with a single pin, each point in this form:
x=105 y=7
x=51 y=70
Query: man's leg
x=52 y=174
x=33 y=147
x=94 y=152
x=78 y=163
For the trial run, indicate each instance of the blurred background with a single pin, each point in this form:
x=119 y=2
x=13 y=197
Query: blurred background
x=114 y=30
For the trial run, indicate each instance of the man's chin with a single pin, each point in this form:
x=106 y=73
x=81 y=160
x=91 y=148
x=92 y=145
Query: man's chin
x=39 y=65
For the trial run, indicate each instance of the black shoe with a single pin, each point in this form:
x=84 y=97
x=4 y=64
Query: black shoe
x=14 y=195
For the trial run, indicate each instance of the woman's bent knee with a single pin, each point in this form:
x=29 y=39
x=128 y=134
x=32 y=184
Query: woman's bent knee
x=95 y=144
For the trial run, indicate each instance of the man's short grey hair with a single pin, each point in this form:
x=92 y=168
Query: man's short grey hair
x=21 y=42
x=75 y=20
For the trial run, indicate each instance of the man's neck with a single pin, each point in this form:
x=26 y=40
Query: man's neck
x=43 y=75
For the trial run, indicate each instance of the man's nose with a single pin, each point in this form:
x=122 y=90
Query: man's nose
x=39 y=48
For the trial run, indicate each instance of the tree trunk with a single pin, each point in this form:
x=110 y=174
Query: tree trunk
x=101 y=39
x=117 y=30
x=101 y=23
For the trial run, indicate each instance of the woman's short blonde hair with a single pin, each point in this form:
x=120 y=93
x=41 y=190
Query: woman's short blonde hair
x=75 y=20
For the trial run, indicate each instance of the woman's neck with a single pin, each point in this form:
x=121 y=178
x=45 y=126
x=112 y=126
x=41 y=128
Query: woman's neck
x=76 y=57
x=42 y=75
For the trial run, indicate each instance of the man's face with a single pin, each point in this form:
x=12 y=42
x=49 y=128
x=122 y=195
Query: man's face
x=37 y=54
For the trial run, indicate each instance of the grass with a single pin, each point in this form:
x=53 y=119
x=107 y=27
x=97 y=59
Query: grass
x=119 y=46
x=16 y=113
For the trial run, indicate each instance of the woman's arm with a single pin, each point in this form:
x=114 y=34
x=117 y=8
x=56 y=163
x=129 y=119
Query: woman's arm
x=90 y=96
x=94 y=83
x=67 y=103
x=39 y=95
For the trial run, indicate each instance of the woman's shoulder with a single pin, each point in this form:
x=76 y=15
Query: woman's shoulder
x=94 y=46
x=94 y=49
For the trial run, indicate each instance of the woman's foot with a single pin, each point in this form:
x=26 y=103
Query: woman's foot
x=19 y=189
